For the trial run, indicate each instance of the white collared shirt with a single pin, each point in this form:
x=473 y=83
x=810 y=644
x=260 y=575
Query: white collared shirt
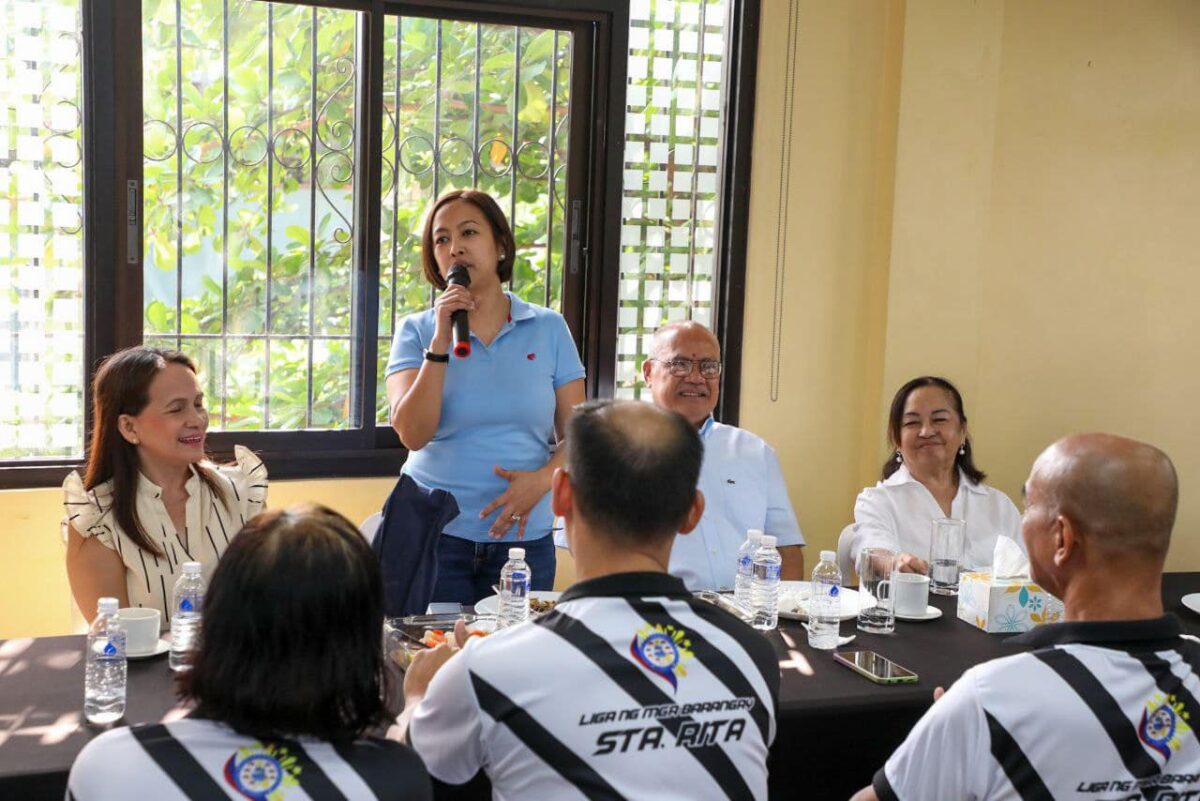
x=898 y=513
x=743 y=489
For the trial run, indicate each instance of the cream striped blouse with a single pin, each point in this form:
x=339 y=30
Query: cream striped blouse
x=210 y=526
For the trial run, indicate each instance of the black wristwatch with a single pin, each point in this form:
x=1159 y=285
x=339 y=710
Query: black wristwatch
x=441 y=358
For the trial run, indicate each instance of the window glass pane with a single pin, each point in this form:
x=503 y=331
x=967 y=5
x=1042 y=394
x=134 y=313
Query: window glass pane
x=495 y=100
x=669 y=209
x=249 y=191
x=41 y=230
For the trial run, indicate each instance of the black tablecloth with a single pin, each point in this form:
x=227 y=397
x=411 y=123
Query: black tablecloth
x=835 y=727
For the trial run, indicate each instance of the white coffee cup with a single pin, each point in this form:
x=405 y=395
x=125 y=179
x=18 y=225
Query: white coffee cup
x=142 y=627
x=912 y=593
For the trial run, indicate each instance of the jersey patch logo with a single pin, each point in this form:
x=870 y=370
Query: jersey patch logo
x=662 y=650
x=262 y=772
x=1164 y=724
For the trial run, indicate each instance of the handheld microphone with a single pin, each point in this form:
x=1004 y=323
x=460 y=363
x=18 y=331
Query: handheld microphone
x=459 y=276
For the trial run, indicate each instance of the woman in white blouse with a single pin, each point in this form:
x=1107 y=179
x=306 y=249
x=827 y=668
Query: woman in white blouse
x=932 y=475
x=149 y=500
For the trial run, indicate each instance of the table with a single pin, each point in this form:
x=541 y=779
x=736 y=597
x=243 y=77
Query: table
x=835 y=727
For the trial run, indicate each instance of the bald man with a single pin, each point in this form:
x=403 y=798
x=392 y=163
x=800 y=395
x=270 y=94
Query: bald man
x=742 y=484
x=1103 y=707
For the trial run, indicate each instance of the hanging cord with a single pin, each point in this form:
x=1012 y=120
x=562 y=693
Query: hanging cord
x=781 y=227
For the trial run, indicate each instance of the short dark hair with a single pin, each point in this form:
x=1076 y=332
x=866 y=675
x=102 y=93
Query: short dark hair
x=964 y=460
x=633 y=468
x=291 y=636
x=501 y=231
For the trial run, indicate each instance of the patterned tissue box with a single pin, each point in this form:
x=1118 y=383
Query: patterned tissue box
x=1005 y=606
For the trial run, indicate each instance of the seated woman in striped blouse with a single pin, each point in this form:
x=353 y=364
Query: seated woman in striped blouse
x=149 y=499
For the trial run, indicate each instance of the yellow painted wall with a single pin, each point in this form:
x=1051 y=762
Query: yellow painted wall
x=1043 y=242
x=822 y=421
x=35 y=599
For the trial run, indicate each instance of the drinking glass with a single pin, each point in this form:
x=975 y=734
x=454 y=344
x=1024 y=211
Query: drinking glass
x=945 y=555
x=877 y=602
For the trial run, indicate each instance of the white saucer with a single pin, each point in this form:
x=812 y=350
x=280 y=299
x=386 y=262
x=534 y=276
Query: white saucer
x=931 y=613
x=161 y=648
x=795 y=595
x=1191 y=601
x=491 y=604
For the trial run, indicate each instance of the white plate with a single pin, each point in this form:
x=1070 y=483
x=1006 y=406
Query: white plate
x=797 y=593
x=491 y=604
x=161 y=648
x=931 y=613
x=1191 y=601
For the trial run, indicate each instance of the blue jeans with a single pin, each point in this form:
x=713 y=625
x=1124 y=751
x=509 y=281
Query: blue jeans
x=467 y=570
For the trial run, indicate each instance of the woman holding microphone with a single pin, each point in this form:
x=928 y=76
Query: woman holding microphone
x=480 y=427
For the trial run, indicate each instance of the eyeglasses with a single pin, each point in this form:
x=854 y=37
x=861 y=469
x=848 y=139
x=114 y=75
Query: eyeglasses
x=681 y=368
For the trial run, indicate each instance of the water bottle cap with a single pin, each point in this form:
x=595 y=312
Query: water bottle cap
x=767 y=541
x=754 y=534
x=107 y=606
x=828 y=556
x=191 y=568
x=516 y=553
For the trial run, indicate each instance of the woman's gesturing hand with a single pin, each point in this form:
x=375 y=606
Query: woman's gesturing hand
x=525 y=489
x=453 y=299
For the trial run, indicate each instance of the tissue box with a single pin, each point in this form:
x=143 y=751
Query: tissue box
x=1005 y=606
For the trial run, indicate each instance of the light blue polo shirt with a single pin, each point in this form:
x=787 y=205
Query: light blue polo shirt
x=497 y=409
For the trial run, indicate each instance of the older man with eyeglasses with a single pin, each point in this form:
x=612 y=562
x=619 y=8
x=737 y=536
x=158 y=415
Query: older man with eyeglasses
x=742 y=484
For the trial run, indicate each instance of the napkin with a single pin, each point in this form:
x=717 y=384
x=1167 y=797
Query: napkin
x=1009 y=561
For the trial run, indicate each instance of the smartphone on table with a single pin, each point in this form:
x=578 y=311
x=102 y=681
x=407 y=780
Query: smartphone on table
x=878 y=669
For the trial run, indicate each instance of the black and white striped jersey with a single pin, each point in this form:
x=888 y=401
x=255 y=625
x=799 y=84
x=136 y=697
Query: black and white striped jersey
x=629 y=688
x=1101 y=711
x=201 y=759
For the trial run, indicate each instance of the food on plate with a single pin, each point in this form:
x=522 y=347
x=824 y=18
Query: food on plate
x=794 y=602
x=539 y=607
x=435 y=637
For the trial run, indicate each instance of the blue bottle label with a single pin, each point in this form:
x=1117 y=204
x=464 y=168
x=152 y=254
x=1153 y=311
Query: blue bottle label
x=744 y=564
x=186 y=605
x=834 y=591
x=520 y=584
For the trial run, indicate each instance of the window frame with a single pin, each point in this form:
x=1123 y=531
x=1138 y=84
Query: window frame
x=112 y=103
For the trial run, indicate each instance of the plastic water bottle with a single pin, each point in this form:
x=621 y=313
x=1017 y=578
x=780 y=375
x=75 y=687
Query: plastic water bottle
x=514 y=588
x=745 y=568
x=187 y=604
x=825 y=606
x=764 y=585
x=105 y=670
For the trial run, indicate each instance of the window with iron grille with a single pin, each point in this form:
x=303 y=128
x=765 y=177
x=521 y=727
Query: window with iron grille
x=285 y=155
x=41 y=231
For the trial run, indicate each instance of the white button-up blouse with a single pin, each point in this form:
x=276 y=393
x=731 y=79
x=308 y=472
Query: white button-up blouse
x=211 y=524
x=898 y=514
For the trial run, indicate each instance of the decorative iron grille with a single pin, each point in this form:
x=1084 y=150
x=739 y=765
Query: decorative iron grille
x=249 y=190
x=249 y=146
x=472 y=105
x=42 y=370
x=673 y=126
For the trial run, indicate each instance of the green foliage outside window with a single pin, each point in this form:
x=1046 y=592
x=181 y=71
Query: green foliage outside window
x=258 y=253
